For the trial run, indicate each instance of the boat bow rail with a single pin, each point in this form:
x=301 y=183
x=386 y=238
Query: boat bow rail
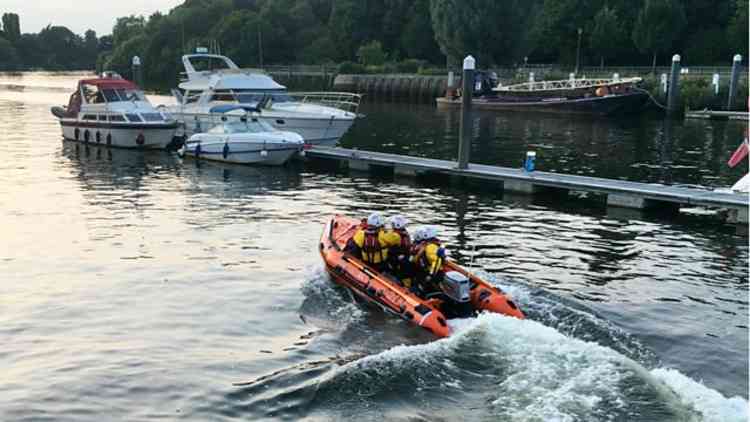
x=345 y=101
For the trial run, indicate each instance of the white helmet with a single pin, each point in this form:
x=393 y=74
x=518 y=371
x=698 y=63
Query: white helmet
x=375 y=220
x=419 y=234
x=430 y=232
x=399 y=222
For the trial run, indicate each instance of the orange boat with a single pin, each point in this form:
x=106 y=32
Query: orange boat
x=387 y=293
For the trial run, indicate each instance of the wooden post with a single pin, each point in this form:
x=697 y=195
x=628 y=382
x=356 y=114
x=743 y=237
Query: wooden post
x=467 y=93
x=736 y=65
x=674 y=85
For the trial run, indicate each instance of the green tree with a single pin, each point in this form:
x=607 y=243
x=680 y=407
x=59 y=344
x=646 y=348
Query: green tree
x=371 y=54
x=417 y=36
x=659 y=24
x=62 y=49
x=493 y=31
x=127 y=27
x=8 y=56
x=607 y=35
x=737 y=33
x=11 y=27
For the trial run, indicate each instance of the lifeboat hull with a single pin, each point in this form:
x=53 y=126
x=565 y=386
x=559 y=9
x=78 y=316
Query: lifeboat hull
x=381 y=290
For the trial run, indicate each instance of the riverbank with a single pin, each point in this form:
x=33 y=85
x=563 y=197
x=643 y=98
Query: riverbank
x=697 y=92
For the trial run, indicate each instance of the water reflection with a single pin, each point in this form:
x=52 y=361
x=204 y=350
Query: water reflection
x=635 y=148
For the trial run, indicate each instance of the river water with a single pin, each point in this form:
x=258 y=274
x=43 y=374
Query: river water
x=137 y=286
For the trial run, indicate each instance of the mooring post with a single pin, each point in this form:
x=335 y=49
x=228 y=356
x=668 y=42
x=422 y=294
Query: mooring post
x=736 y=65
x=467 y=93
x=137 y=74
x=674 y=85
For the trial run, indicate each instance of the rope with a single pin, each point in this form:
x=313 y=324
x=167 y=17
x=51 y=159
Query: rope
x=650 y=96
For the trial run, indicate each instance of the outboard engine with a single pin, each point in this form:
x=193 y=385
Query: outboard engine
x=484 y=82
x=456 y=288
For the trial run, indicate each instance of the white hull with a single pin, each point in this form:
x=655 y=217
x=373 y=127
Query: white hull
x=742 y=185
x=242 y=152
x=325 y=132
x=120 y=137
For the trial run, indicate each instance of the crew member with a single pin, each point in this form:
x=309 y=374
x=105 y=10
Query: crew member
x=371 y=243
x=399 y=255
x=427 y=256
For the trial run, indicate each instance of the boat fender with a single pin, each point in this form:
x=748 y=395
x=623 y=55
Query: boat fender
x=225 y=151
x=109 y=139
x=371 y=291
x=86 y=135
x=198 y=149
x=140 y=140
x=98 y=137
x=77 y=133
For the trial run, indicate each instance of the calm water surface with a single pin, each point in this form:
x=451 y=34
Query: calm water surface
x=137 y=286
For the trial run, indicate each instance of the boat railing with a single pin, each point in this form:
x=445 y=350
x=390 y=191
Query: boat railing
x=346 y=101
x=567 y=84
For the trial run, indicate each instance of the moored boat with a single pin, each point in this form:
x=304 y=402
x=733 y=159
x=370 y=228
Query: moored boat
x=112 y=111
x=387 y=293
x=574 y=96
x=320 y=118
x=244 y=139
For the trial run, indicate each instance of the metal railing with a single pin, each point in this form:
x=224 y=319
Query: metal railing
x=346 y=101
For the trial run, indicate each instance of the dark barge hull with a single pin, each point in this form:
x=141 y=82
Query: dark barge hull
x=602 y=106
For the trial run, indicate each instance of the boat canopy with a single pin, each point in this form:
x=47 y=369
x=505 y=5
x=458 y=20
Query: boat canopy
x=109 y=83
x=226 y=108
x=233 y=81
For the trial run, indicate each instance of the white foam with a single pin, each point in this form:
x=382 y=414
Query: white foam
x=710 y=403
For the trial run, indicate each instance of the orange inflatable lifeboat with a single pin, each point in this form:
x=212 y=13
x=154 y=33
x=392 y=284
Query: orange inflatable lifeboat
x=387 y=293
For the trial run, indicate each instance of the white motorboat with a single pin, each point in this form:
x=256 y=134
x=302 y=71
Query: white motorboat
x=321 y=118
x=242 y=138
x=112 y=111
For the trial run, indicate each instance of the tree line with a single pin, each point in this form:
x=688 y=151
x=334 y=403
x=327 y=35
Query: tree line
x=373 y=32
x=52 y=48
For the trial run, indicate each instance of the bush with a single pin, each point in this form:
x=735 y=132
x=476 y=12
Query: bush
x=351 y=68
x=409 y=66
x=371 y=54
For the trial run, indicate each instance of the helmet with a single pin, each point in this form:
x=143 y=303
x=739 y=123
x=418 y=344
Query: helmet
x=418 y=234
x=399 y=222
x=430 y=232
x=375 y=220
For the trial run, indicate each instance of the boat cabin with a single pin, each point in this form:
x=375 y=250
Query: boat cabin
x=111 y=98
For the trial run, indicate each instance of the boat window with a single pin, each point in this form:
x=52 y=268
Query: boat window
x=116 y=118
x=152 y=117
x=134 y=118
x=223 y=96
x=130 y=95
x=103 y=117
x=93 y=95
x=89 y=117
x=281 y=98
x=111 y=95
x=249 y=97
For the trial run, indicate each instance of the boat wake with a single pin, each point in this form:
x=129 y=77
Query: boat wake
x=563 y=363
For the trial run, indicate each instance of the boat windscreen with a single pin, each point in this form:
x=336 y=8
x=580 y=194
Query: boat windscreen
x=111 y=95
x=130 y=95
x=246 y=127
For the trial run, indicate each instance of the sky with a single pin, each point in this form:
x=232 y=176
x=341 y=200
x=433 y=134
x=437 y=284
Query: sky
x=80 y=15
